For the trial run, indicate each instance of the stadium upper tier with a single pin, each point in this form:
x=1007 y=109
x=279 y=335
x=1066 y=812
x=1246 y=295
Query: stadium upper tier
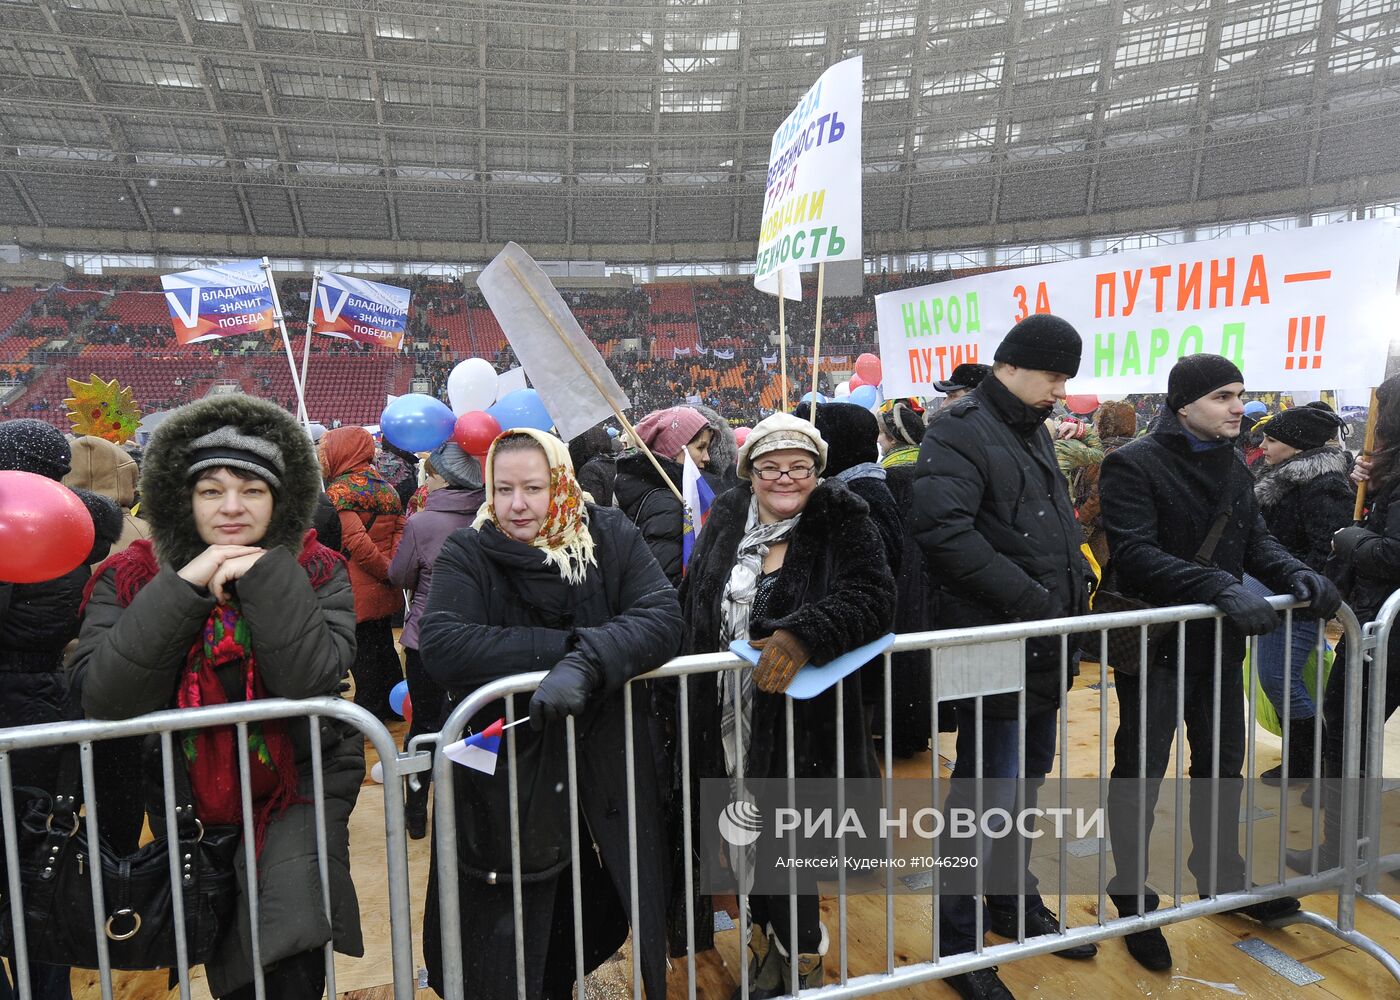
x=665 y=342
x=640 y=132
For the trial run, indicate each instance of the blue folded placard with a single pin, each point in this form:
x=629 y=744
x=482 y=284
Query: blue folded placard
x=812 y=680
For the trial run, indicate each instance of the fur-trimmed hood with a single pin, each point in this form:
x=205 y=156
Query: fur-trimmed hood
x=165 y=490
x=1304 y=467
x=724 y=448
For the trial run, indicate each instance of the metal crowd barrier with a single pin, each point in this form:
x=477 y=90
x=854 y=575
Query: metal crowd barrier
x=309 y=712
x=965 y=664
x=1370 y=855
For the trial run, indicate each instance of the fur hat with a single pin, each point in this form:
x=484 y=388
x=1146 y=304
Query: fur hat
x=1198 y=375
x=34 y=446
x=1044 y=343
x=776 y=433
x=851 y=433
x=1116 y=419
x=902 y=420
x=1304 y=427
x=166 y=501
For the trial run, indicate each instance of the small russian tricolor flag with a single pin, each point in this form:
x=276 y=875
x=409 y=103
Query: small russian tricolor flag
x=699 y=498
x=480 y=750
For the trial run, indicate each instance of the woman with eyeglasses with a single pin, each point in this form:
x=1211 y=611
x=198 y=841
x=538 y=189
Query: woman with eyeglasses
x=793 y=564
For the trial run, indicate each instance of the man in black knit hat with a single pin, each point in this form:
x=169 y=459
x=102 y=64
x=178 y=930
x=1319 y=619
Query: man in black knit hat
x=1161 y=497
x=992 y=514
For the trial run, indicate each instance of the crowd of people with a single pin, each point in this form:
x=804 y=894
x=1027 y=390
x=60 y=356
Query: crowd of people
x=256 y=562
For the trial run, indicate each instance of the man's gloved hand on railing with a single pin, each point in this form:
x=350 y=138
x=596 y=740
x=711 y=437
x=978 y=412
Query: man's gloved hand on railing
x=1248 y=612
x=1321 y=593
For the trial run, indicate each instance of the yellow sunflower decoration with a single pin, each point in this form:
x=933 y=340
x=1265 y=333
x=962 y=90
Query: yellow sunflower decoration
x=102 y=409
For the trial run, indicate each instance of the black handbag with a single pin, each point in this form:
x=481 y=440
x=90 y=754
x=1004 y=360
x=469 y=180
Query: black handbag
x=1125 y=644
x=56 y=864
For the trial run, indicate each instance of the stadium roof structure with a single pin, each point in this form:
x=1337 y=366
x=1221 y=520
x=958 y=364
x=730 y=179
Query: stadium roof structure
x=639 y=132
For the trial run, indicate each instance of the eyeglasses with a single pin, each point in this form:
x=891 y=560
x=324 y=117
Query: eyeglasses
x=796 y=474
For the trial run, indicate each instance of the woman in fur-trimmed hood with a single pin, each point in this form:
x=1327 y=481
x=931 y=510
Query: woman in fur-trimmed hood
x=236 y=600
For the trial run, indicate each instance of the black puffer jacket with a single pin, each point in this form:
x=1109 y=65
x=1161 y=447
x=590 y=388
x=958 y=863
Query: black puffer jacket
x=497 y=609
x=1159 y=500
x=1306 y=500
x=991 y=512
x=1368 y=558
x=648 y=502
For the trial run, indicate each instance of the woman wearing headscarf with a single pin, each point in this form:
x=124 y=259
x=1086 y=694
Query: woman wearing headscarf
x=1306 y=497
x=237 y=600
x=371 y=524
x=550 y=582
x=794 y=564
x=447 y=509
x=649 y=499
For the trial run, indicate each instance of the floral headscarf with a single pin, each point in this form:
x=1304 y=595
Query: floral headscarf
x=564 y=536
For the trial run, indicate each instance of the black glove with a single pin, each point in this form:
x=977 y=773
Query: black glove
x=1035 y=605
x=1248 y=612
x=564 y=691
x=1318 y=591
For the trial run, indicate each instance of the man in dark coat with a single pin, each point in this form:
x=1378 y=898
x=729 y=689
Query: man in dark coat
x=1160 y=497
x=992 y=513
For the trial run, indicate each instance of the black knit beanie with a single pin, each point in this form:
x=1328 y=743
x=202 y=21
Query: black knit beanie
x=34 y=446
x=1303 y=427
x=1044 y=343
x=1198 y=375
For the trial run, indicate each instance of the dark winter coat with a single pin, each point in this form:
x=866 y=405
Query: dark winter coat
x=496 y=610
x=1306 y=500
x=992 y=514
x=657 y=512
x=596 y=477
x=1368 y=558
x=445 y=511
x=1159 y=500
x=129 y=660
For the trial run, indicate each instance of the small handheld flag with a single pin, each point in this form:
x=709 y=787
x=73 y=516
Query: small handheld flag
x=480 y=750
x=698 y=500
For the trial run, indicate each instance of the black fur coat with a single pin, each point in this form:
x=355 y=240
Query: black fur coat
x=835 y=592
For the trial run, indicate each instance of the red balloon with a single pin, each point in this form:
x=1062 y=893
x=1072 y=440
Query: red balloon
x=1082 y=405
x=869 y=369
x=856 y=382
x=741 y=434
x=408 y=709
x=45 y=530
x=475 y=431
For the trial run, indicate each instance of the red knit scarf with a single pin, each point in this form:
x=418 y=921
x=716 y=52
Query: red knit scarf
x=209 y=752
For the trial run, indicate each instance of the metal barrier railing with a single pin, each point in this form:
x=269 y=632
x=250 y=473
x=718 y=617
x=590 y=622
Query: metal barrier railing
x=966 y=665
x=970 y=664
x=311 y=712
x=1372 y=859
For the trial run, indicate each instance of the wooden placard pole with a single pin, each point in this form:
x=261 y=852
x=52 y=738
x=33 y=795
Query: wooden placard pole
x=782 y=339
x=1366 y=449
x=592 y=377
x=817 y=341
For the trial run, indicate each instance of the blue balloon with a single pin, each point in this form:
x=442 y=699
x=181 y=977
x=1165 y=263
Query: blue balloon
x=1254 y=408
x=397 y=695
x=416 y=422
x=863 y=395
x=612 y=432
x=808 y=398
x=521 y=408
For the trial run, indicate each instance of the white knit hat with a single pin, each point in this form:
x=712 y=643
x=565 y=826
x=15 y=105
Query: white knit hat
x=777 y=433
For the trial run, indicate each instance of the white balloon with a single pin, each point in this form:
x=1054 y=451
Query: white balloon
x=843 y=389
x=471 y=386
x=377 y=772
